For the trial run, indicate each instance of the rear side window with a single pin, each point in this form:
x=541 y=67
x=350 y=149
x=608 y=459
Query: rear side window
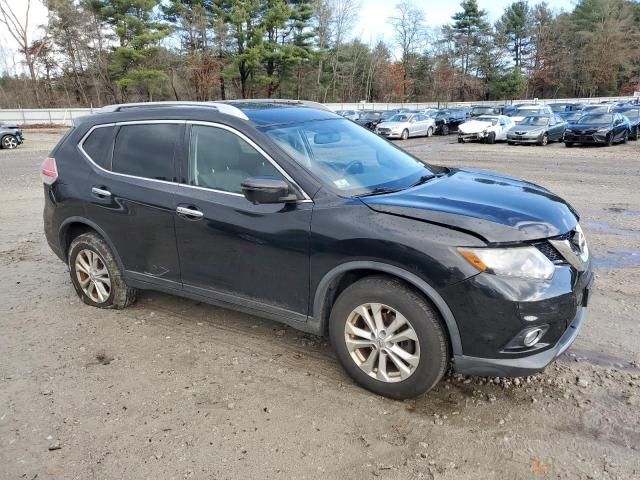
x=99 y=146
x=146 y=150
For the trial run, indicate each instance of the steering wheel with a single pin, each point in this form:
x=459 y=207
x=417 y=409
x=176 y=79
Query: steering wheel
x=353 y=164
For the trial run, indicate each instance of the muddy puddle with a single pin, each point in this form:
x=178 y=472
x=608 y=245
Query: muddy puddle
x=605 y=228
x=613 y=259
x=600 y=359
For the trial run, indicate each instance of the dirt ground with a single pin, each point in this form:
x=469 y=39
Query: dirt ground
x=172 y=389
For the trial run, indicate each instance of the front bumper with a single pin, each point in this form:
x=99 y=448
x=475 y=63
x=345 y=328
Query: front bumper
x=520 y=367
x=590 y=138
x=496 y=311
x=389 y=134
x=523 y=139
x=472 y=137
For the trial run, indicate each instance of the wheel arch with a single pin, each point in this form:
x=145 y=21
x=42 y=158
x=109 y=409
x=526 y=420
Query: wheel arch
x=329 y=287
x=74 y=226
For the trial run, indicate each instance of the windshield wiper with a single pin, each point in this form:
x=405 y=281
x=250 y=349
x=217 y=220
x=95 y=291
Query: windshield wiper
x=379 y=191
x=423 y=179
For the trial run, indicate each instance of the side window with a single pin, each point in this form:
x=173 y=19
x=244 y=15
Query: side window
x=99 y=146
x=221 y=160
x=146 y=150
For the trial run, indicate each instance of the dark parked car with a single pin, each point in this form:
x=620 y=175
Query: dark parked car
x=538 y=130
x=293 y=213
x=370 y=119
x=10 y=136
x=601 y=128
x=633 y=115
x=448 y=121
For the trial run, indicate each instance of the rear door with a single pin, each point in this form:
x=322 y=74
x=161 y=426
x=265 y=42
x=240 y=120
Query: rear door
x=134 y=199
x=255 y=256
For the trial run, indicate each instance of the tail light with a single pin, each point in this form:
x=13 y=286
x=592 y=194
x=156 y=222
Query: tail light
x=49 y=171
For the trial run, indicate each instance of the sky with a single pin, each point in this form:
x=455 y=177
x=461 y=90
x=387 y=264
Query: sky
x=371 y=25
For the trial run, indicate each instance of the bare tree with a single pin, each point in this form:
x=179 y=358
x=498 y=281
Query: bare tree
x=19 y=31
x=409 y=34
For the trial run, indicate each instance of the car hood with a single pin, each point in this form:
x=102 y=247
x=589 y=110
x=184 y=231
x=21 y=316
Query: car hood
x=495 y=207
x=527 y=128
x=474 y=126
x=591 y=127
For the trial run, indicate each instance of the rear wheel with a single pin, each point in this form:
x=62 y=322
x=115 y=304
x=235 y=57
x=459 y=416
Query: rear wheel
x=95 y=274
x=405 y=134
x=9 y=142
x=388 y=338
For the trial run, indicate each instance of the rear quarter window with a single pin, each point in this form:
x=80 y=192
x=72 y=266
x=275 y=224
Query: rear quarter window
x=99 y=146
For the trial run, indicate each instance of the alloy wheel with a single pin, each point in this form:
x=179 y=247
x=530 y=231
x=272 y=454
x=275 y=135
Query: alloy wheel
x=9 y=142
x=382 y=342
x=93 y=276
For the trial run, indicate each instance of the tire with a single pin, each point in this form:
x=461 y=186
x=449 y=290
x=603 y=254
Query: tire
x=509 y=142
x=625 y=137
x=405 y=134
x=491 y=138
x=445 y=130
x=9 y=142
x=91 y=248
x=430 y=132
x=636 y=133
x=544 y=141
x=460 y=140
x=609 y=141
x=431 y=344
x=568 y=144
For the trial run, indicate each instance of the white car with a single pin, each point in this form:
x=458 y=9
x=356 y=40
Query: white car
x=485 y=128
x=523 y=111
x=405 y=125
x=349 y=114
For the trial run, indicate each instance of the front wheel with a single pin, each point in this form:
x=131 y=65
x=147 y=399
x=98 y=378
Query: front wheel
x=388 y=338
x=636 y=133
x=9 y=142
x=430 y=132
x=568 y=144
x=445 y=130
x=491 y=138
x=609 y=139
x=95 y=274
x=405 y=134
x=544 y=140
x=625 y=137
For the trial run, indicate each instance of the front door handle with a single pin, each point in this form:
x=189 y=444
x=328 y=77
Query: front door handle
x=189 y=212
x=101 y=192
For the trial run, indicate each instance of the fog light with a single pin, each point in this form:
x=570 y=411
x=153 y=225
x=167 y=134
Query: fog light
x=532 y=337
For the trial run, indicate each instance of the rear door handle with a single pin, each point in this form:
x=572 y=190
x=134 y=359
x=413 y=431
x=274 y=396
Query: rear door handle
x=100 y=192
x=189 y=212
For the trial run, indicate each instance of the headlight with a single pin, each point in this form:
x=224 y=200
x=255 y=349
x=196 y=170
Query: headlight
x=523 y=262
x=603 y=130
x=535 y=132
x=568 y=130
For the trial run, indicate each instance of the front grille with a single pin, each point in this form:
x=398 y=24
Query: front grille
x=550 y=252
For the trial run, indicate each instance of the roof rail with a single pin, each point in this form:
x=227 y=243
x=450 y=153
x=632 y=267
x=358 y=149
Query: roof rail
x=279 y=101
x=224 y=108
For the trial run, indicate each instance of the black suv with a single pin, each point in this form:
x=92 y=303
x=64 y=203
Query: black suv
x=290 y=212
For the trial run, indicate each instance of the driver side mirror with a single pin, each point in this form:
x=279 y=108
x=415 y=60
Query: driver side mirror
x=267 y=190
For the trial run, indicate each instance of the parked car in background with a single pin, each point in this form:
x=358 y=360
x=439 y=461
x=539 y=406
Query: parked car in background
x=523 y=111
x=405 y=125
x=632 y=114
x=479 y=110
x=486 y=128
x=565 y=107
x=10 y=136
x=570 y=117
x=349 y=114
x=538 y=130
x=600 y=128
x=447 y=121
x=606 y=108
x=369 y=119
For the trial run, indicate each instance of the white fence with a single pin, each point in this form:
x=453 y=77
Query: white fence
x=65 y=116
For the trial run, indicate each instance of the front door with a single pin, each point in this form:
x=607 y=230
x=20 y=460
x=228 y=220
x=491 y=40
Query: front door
x=231 y=250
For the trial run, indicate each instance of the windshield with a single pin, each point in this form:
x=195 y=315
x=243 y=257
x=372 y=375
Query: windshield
x=370 y=116
x=400 y=117
x=596 y=119
x=535 y=121
x=571 y=116
x=347 y=156
x=631 y=114
x=597 y=109
x=493 y=120
x=525 y=112
x=476 y=111
x=387 y=115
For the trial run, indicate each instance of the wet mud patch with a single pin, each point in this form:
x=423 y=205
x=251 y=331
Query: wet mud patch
x=613 y=259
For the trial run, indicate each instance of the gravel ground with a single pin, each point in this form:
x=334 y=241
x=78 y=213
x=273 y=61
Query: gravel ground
x=171 y=388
